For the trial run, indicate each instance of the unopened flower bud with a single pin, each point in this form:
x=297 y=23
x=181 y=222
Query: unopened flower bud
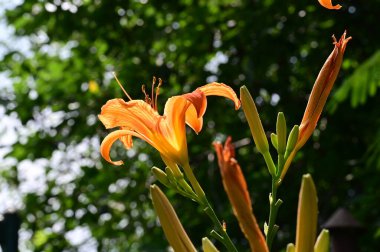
x=161 y=176
x=273 y=139
x=208 y=246
x=173 y=229
x=281 y=133
x=254 y=121
x=290 y=248
x=307 y=215
x=323 y=242
x=292 y=140
x=321 y=90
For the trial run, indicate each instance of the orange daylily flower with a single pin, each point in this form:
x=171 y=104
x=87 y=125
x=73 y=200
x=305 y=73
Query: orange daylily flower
x=321 y=90
x=165 y=132
x=328 y=4
x=236 y=187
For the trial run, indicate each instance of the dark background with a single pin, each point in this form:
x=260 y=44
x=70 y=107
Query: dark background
x=275 y=48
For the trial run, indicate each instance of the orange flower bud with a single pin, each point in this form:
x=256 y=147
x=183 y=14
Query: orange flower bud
x=236 y=187
x=321 y=90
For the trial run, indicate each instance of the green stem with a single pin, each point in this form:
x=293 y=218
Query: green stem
x=219 y=228
x=281 y=162
x=207 y=208
x=270 y=164
x=194 y=183
x=274 y=206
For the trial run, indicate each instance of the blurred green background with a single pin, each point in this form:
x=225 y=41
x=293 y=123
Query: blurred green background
x=69 y=199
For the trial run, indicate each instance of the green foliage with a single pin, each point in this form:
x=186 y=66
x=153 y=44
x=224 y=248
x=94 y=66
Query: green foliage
x=362 y=84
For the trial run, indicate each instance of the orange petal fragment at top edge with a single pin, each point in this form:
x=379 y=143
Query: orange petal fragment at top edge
x=328 y=5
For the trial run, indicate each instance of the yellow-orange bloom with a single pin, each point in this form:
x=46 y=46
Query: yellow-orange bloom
x=164 y=132
x=328 y=4
x=236 y=187
x=321 y=90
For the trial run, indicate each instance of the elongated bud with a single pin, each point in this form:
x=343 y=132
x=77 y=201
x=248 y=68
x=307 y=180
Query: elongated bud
x=208 y=246
x=307 y=216
x=321 y=90
x=161 y=176
x=290 y=248
x=173 y=229
x=273 y=139
x=323 y=242
x=235 y=186
x=281 y=133
x=292 y=140
x=254 y=121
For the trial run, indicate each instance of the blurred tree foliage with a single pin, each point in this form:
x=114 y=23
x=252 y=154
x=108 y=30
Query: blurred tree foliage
x=276 y=48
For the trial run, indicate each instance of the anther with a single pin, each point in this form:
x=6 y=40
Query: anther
x=157 y=92
x=153 y=83
x=147 y=99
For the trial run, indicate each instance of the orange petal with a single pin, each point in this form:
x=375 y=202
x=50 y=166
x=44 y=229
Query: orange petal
x=107 y=142
x=135 y=115
x=192 y=119
x=328 y=4
x=220 y=89
x=173 y=130
x=196 y=109
x=198 y=99
x=106 y=145
x=198 y=102
x=127 y=141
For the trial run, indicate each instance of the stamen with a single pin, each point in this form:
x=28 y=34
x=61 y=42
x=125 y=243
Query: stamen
x=147 y=99
x=157 y=93
x=153 y=83
x=121 y=86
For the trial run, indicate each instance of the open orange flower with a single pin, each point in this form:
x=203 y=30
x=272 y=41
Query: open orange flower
x=328 y=4
x=164 y=132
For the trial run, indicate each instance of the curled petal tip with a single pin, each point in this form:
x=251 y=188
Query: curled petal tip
x=342 y=41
